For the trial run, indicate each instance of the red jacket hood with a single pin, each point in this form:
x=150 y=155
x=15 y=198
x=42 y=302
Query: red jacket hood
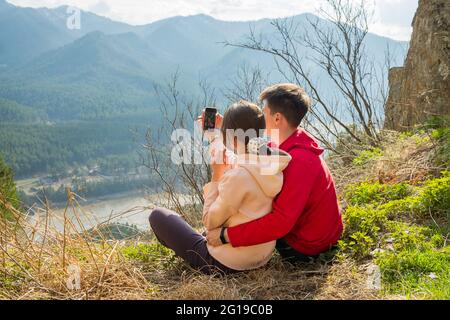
x=302 y=140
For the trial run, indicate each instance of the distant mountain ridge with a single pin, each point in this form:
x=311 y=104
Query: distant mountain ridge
x=46 y=61
x=27 y=32
x=106 y=72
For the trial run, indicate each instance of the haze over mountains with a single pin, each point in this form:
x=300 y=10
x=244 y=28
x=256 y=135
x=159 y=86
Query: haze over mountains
x=106 y=71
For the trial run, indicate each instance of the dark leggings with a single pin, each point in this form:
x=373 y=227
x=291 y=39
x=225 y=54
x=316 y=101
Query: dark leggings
x=291 y=255
x=175 y=233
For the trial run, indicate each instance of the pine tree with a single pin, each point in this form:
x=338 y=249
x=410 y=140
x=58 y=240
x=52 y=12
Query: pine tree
x=8 y=192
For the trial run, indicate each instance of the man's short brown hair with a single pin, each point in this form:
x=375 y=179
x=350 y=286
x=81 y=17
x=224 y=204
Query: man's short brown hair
x=288 y=99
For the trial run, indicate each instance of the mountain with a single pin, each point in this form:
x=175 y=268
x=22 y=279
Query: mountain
x=107 y=69
x=224 y=69
x=194 y=40
x=89 y=22
x=25 y=33
x=94 y=55
x=113 y=73
x=60 y=86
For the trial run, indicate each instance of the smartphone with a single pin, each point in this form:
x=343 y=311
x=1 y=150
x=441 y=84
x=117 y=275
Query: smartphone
x=209 y=119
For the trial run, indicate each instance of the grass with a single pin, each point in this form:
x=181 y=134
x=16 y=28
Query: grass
x=418 y=274
x=38 y=261
x=396 y=208
x=413 y=256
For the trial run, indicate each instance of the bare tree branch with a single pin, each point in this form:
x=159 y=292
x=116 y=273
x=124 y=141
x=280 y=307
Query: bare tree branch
x=336 y=46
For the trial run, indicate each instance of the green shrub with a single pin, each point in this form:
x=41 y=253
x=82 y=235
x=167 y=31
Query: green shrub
x=405 y=135
x=435 y=195
x=367 y=219
x=148 y=254
x=406 y=236
x=376 y=212
x=437 y=122
x=362 y=230
x=366 y=155
x=359 y=244
x=440 y=133
x=407 y=207
x=13 y=277
x=432 y=197
x=376 y=193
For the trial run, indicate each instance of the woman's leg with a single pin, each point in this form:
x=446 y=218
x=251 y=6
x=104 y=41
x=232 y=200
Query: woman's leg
x=176 y=234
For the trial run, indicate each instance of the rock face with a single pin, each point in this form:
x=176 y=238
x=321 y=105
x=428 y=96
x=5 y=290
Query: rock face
x=421 y=88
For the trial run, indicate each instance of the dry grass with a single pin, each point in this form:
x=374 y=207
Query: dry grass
x=37 y=262
x=406 y=159
x=279 y=281
x=403 y=159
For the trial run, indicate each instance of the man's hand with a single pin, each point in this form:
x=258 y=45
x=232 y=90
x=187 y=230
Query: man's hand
x=213 y=237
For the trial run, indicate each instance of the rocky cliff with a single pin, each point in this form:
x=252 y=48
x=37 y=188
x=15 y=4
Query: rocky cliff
x=421 y=88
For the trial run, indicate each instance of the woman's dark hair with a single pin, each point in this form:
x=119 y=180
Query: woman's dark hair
x=245 y=116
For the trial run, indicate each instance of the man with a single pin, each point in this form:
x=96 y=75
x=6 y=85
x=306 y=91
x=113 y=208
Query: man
x=305 y=219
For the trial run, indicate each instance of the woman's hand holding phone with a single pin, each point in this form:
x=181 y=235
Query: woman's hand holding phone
x=217 y=154
x=210 y=134
x=201 y=120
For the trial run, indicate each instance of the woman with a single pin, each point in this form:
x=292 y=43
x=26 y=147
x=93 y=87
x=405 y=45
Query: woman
x=240 y=190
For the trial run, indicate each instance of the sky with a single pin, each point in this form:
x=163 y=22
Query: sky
x=392 y=18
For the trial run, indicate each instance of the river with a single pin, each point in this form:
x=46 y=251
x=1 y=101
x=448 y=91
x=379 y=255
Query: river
x=133 y=209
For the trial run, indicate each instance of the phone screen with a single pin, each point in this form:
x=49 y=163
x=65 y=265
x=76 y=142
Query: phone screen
x=209 y=120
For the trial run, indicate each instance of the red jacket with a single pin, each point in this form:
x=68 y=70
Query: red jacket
x=306 y=212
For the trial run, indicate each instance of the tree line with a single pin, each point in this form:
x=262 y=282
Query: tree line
x=89 y=189
x=53 y=148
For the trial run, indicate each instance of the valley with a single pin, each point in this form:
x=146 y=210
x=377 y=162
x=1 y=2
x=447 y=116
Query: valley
x=73 y=99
